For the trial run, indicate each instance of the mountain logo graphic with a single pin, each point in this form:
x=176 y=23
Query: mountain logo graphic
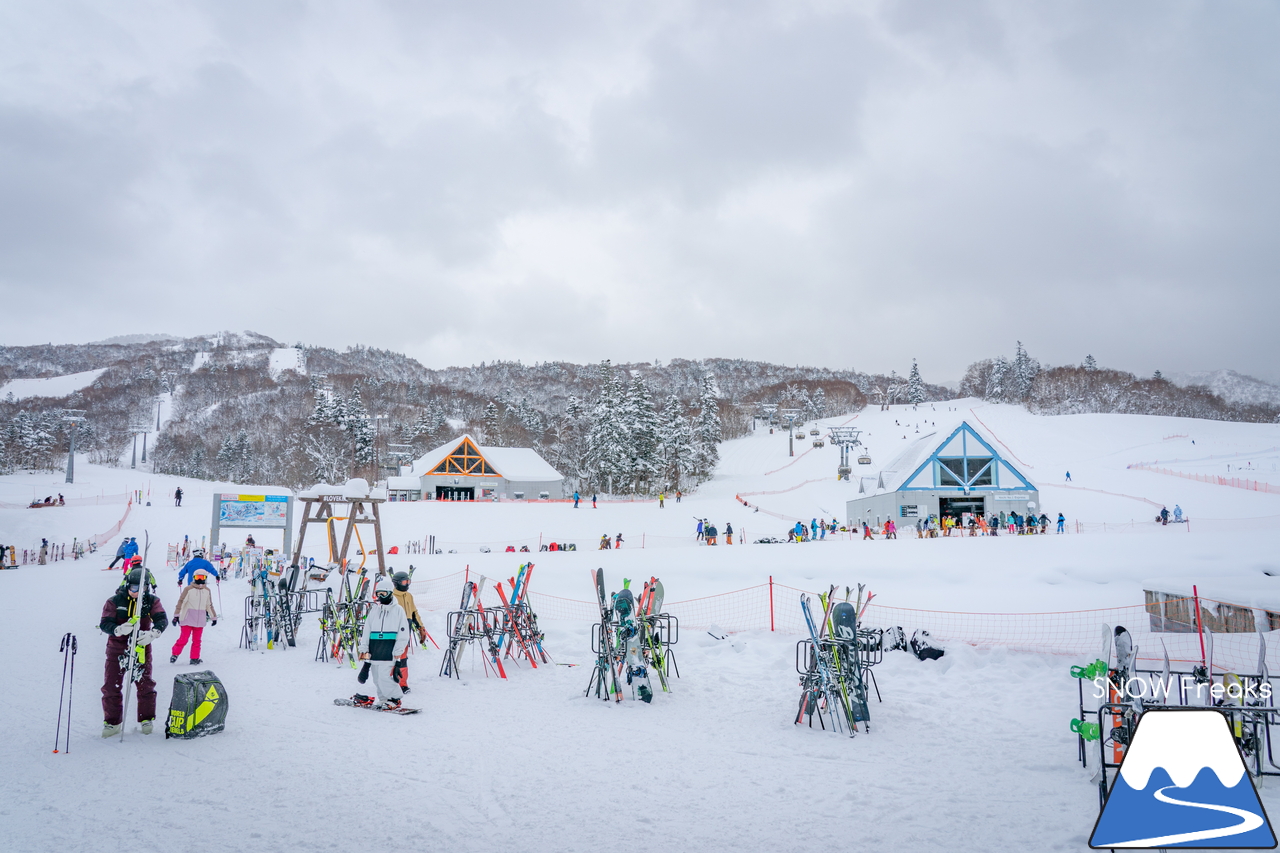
x=1183 y=783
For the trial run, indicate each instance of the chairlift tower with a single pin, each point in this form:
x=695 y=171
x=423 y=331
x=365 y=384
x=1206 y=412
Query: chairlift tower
x=846 y=437
x=790 y=416
x=72 y=417
x=768 y=411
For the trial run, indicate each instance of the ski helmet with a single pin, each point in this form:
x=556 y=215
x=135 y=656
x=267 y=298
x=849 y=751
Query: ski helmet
x=200 y=576
x=401 y=580
x=384 y=594
x=624 y=602
x=134 y=578
x=198 y=553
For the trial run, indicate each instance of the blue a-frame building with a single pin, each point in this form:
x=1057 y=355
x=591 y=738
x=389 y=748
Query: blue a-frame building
x=961 y=473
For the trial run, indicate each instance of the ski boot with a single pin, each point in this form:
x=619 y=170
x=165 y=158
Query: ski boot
x=197 y=661
x=148 y=726
x=109 y=730
x=173 y=658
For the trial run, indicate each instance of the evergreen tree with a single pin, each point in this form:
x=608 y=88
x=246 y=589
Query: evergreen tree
x=359 y=428
x=642 y=423
x=1025 y=371
x=1158 y=375
x=675 y=444
x=997 y=380
x=608 y=445
x=915 y=386
x=227 y=459
x=492 y=425
x=1089 y=363
x=707 y=430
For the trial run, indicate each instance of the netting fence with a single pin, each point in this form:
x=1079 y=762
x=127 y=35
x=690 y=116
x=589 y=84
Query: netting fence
x=96 y=500
x=776 y=606
x=1214 y=479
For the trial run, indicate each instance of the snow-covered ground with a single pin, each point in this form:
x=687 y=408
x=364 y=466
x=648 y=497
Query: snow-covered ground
x=529 y=764
x=53 y=386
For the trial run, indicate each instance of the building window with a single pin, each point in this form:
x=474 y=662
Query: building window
x=965 y=471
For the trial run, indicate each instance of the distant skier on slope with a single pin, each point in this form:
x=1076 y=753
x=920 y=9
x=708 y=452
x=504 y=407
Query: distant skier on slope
x=383 y=640
x=135 y=598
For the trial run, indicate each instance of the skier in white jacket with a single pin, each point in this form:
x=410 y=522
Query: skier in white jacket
x=384 y=639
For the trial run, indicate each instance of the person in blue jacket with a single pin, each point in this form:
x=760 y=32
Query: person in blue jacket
x=131 y=548
x=120 y=554
x=195 y=564
x=575 y=500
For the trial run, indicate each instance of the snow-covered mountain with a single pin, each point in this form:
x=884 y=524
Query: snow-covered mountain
x=1233 y=387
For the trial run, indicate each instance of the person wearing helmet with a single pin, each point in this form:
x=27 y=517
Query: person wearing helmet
x=383 y=640
x=195 y=603
x=197 y=563
x=134 y=599
x=401 y=581
x=130 y=549
x=131 y=563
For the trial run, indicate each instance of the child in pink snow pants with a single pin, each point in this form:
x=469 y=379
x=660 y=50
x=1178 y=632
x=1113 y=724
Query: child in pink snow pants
x=195 y=603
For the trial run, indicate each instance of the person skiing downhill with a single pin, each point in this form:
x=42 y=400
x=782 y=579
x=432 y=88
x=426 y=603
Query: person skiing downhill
x=384 y=638
x=120 y=554
x=401 y=581
x=135 y=598
x=197 y=563
x=195 y=603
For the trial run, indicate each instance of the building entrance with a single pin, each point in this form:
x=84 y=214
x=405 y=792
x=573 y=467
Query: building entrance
x=956 y=507
x=455 y=493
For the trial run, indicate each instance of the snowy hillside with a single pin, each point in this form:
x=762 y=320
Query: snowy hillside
x=718 y=764
x=1231 y=386
x=53 y=386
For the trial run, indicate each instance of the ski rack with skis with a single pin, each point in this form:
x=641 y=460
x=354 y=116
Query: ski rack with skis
x=342 y=618
x=508 y=631
x=869 y=654
x=275 y=614
x=663 y=628
x=833 y=683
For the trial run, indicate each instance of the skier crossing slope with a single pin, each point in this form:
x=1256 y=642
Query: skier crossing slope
x=131 y=618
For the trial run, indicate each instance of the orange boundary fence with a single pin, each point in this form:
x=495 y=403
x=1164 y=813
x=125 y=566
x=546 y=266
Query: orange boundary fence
x=775 y=606
x=1215 y=479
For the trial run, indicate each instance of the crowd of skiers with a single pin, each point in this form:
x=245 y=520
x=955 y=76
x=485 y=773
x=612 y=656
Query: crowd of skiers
x=815 y=531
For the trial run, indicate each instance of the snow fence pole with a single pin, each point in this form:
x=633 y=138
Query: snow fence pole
x=770 y=602
x=1195 y=595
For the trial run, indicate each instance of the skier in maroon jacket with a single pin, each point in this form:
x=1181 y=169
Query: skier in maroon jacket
x=135 y=596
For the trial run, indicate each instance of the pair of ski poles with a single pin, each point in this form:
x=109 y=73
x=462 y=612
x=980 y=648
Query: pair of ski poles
x=68 y=649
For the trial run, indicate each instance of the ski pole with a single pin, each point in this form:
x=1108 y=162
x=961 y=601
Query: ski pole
x=71 y=686
x=64 y=647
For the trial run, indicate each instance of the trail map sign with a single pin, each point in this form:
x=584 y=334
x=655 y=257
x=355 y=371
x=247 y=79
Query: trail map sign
x=255 y=511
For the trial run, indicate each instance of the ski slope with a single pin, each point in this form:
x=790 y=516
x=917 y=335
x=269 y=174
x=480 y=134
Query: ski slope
x=529 y=764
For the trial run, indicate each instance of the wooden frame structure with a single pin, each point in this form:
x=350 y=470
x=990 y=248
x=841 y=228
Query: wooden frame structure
x=358 y=511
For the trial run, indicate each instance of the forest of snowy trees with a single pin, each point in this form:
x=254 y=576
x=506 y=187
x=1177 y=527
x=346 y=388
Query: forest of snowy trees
x=640 y=427
x=1088 y=388
x=637 y=427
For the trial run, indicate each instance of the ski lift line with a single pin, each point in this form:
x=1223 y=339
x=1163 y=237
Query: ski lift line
x=974 y=411
x=802 y=455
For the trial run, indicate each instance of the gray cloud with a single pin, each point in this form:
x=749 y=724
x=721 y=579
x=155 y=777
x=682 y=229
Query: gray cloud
x=839 y=184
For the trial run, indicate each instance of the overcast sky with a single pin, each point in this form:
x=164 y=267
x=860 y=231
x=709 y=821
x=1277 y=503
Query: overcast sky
x=827 y=183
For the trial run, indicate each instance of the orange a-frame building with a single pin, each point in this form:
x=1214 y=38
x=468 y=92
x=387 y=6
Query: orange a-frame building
x=464 y=470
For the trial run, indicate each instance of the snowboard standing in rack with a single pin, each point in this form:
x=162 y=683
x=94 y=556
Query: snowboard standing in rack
x=631 y=641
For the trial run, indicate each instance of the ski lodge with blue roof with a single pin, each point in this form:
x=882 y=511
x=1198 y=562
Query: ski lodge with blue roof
x=944 y=474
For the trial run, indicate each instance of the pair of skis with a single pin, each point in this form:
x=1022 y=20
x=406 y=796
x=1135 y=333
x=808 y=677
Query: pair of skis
x=833 y=681
x=136 y=654
x=605 y=677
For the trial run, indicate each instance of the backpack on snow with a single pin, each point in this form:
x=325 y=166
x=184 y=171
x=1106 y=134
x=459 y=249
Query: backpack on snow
x=922 y=646
x=198 y=707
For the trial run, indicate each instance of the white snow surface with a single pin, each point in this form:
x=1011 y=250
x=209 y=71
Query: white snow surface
x=53 y=386
x=951 y=763
x=286 y=358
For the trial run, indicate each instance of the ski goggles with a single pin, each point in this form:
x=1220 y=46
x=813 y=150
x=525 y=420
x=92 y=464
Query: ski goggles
x=198 y=580
x=133 y=587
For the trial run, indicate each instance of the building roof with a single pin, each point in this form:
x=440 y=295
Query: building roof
x=518 y=464
x=405 y=484
x=912 y=468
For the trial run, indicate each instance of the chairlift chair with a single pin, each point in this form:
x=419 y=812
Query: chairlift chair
x=814 y=432
x=864 y=460
x=817 y=442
